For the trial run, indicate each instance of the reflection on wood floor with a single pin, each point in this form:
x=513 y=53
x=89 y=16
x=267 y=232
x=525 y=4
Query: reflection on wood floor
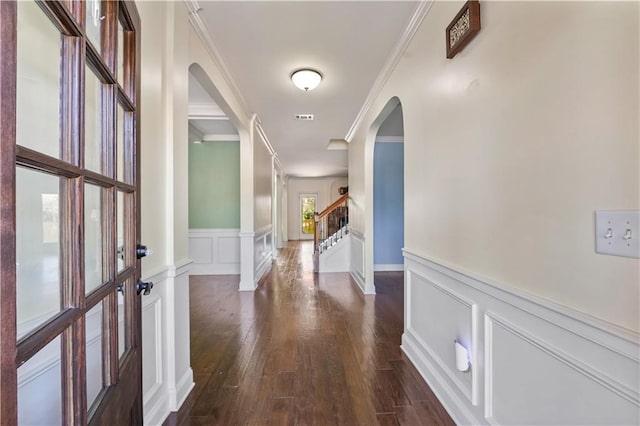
x=303 y=349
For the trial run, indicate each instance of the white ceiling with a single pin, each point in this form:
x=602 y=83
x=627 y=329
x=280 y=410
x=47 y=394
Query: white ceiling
x=262 y=42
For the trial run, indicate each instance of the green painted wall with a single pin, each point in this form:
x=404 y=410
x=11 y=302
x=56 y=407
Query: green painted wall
x=214 y=185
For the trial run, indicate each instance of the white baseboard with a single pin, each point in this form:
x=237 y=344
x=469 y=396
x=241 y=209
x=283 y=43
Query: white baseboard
x=446 y=395
x=532 y=361
x=158 y=413
x=388 y=267
x=179 y=394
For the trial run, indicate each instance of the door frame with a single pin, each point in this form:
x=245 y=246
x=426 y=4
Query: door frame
x=302 y=235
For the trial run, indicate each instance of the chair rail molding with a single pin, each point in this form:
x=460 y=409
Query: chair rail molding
x=576 y=368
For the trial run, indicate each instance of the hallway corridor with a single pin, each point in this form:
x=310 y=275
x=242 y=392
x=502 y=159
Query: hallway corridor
x=303 y=349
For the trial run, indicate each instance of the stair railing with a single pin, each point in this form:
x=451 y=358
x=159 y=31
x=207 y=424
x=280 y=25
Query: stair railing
x=331 y=224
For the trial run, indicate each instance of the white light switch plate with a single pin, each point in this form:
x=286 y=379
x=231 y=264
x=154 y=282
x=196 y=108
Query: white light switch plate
x=618 y=232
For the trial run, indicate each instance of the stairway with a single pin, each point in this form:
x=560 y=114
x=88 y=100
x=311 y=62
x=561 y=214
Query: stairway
x=332 y=248
x=336 y=253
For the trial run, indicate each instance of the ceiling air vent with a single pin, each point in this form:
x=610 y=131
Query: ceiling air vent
x=306 y=117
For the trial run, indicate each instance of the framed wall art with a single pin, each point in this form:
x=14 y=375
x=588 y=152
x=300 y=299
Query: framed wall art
x=463 y=28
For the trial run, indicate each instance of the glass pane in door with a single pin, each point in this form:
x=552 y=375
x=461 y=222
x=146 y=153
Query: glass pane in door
x=38 y=81
x=92 y=237
x=120 y=243
x=120 y=64
x=37 y=248
x=120 y=171
x=94 y=21
x=121 y=320
x=40 y=387
x=92 y=122
x=94 y=353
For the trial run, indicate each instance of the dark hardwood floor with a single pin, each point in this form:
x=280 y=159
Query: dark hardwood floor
x=303 y=349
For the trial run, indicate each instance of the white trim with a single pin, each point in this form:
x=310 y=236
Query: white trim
x=170 y=271
x=157 y=275
x=206 y=231
x=265 y=139
x=263 y=268
x=181 y=267
x=265 y=262
x=472 y=392
x=381 y=267
x=456 y=408
x=389 y=139
x=591 y=373
x=157 y=311
x=200 y=28
x=182 y=389
x=220 y=138
x=213 y=251
x=356 y=270
x=421 y=10
x=580 y=349
x=157 y=414
x=205 y=111
x=625 y=342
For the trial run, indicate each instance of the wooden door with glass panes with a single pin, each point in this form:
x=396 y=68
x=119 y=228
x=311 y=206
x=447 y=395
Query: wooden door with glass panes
x=69 y=179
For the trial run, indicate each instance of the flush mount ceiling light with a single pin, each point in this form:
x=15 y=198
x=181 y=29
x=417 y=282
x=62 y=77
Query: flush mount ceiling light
x=306 y=79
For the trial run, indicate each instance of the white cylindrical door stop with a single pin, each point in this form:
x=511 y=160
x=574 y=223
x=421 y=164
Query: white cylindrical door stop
x=462 y=357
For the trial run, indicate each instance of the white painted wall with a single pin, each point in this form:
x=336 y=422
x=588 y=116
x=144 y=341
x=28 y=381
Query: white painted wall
x=167 y=375
x=512 y=145
x=327 y=190
x=154 y=145
x=262 y=183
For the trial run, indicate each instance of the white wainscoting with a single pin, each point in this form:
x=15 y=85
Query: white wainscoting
x=167 y=377
x=533 y=362
x=357 y=258
x=262 y=251
x=214 y=251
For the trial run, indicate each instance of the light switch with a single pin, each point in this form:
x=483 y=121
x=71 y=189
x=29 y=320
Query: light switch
x=618 y=232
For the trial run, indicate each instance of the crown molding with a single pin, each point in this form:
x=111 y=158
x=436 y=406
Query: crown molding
x=419 y=13
x=390 y=139
x=193 y=6
x=257 y=123
x=220 y=138
x=206 y=111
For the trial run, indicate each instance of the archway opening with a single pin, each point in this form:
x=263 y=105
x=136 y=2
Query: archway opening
x=214 y=182
x=388 y=194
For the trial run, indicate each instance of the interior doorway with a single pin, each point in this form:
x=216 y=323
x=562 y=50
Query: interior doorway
x=388 y=194
x=308 y=204
x=214 y=181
